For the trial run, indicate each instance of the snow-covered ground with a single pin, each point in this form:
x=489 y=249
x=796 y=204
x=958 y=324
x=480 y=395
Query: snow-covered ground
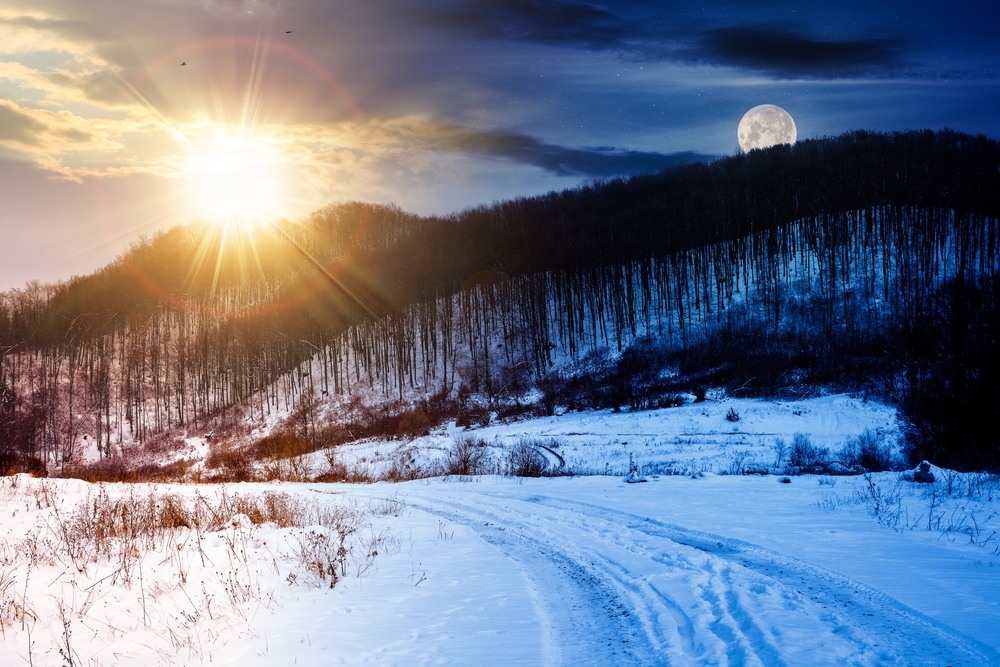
x=691 y=438
x=702 y=569
x=716 y=570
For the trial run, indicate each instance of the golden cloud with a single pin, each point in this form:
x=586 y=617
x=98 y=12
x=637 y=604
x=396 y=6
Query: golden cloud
x=81 y=117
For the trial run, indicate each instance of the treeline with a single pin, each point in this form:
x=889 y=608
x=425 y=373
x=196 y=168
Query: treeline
x=868 y=243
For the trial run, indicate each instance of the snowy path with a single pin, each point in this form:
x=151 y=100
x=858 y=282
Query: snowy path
x=682 y=571
x=612 y=588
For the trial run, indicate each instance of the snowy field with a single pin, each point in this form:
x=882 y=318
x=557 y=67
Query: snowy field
x=695 y=437
x=693 y=569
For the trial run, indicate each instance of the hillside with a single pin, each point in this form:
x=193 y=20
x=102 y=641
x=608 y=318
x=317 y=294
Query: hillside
x=863 y=263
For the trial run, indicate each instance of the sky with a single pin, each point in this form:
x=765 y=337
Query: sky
x=121 y=118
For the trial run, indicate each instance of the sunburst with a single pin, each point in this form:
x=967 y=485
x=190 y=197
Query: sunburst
x=235 y=182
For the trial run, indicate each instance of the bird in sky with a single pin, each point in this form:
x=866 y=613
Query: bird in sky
x=183 y=64
x=288 y=32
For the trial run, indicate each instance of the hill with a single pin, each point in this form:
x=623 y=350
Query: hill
x=864 y=263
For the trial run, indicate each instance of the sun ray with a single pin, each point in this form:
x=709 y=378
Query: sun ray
x=218 y=261
x=200 y=255
x=256 y=255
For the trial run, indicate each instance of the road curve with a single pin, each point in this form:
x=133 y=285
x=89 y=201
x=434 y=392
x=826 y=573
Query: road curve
x=612 y=588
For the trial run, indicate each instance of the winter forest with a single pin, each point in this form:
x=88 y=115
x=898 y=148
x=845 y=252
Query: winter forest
x=865 y=263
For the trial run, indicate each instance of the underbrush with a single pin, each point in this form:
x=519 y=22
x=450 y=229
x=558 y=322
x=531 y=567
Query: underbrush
x=468 y=456
x=121 y=469
x=180 y=573
x=959 y=506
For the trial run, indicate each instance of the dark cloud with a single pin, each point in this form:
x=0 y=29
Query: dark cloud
x=19 y=127
x=662 y=33
x=542 y=22
x=75 y=136
x=103 y=87
x=561 y=160
x=787 y=53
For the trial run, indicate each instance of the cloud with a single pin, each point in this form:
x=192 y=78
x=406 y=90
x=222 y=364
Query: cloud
x=787 y=53
x=571 y=23
x=74 y=147
x=19 y=127
x=663 y=33
x=383 y=137
x=77 y=31
x=555 y=159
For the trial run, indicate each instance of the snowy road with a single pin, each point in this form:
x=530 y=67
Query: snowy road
x=684 y=571
x=614 y=588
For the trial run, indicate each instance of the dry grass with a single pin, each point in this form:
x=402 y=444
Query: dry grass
x=162 y=546
x=468 y=456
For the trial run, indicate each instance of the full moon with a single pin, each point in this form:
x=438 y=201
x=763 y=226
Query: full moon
x=765 y=126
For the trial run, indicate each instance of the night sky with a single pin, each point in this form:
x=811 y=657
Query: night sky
x=434 y=106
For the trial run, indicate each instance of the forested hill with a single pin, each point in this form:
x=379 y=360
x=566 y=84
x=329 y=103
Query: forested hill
x=860 y=248
x=393 y=258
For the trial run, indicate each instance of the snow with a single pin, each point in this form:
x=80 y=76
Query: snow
x=691 y=438
x=693 y=569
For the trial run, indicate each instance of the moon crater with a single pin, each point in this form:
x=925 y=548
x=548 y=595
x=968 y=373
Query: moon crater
x=764 y=126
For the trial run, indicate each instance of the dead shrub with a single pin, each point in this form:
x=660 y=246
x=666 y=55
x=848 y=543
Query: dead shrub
x=404 y=467
x=413 y=423
x=120 y=469
x=441 y=407
x=338 y=471
x=12 y=464
x=331 y=435
x=468 y=456
x=293 y=469
x=806 y=456
x=472 y=416
x=233 y=463
x=282 y=445
x=870 y=451
x=324 y=554
x=164 y=443
x=524 y=460
x=519 y=411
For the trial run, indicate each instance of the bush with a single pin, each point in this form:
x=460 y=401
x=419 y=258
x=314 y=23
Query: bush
x=670 y=401
x=338 y=471
x=552 y=388
x=233 y=463
x=282 y=445
x=806 y=456
x=869 y=451
x=467 y=457
x=732 y=415
x=440 y=407
x=120 y=469
x=524 y=460
x=520 y=411
x=413 y=423
x=780 y=450
x=404 y=466
x=12 y=464
x=473 y=416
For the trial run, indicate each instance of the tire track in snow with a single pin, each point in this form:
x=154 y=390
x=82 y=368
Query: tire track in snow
x=914 y=639
x=584 y=621
x=661 y=633
x=704 y=617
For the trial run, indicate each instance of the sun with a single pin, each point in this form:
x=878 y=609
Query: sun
x=235 y=182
